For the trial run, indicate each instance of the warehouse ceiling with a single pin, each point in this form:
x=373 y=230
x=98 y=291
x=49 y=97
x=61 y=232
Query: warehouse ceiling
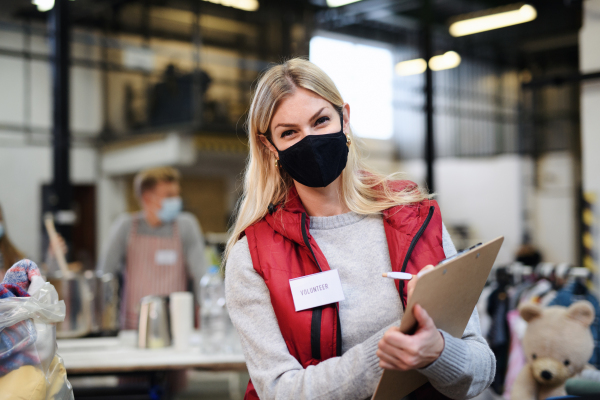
x=550 y=39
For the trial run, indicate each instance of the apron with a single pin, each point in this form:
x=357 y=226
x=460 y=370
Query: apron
x=154 y=267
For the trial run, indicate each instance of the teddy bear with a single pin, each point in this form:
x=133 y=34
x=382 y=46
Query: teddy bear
x=557 y=344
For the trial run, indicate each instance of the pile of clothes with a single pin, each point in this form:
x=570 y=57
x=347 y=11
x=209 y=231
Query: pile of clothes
x=545 y=285
x=29 y=308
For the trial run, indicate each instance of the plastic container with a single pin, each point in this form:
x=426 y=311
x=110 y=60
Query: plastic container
x=215 y=325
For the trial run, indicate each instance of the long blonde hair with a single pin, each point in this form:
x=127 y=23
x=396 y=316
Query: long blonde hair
x=363 y=190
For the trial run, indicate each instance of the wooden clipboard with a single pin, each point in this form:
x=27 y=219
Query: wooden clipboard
x=448 y=293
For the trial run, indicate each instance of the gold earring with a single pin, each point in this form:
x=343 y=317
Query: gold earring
x=348 y=140
x=276 y=163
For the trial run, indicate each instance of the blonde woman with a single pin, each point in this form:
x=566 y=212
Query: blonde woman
x=310 y=205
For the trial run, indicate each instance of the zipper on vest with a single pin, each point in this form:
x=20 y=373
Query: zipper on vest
x=306 y=242
x=413 y=243
x=317 y=312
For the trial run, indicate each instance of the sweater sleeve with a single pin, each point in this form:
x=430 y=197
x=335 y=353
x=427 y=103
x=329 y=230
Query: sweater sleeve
x=275 y=373
x=467 y=365
x=112 y=258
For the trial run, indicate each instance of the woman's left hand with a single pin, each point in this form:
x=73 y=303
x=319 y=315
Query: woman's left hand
x=404 y=352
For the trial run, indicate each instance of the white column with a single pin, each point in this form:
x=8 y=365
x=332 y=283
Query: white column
x=589 y=50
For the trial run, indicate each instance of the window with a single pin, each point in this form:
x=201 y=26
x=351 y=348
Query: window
x=364 y=76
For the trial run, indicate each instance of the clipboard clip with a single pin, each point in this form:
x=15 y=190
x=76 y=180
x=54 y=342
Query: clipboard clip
x=460 y=253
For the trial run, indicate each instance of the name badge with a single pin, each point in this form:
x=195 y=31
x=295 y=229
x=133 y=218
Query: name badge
x=316 y=290
x=165 y=257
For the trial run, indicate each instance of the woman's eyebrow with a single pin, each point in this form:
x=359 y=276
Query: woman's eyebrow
x=317 y=114
x=292 y=125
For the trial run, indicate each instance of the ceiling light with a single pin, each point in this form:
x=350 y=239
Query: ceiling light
x=449 y=59
x=493 y=19
x=43 y=5
x=339 y=3
x=411 y=67
x=246 y=5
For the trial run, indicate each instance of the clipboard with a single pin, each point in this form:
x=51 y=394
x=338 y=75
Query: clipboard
x=448 y=293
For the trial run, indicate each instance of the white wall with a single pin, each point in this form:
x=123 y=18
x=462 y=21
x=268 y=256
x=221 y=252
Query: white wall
x=23 y=171
x=482 y=193
x=24 y=167
x=17 y=75
x=589 y=46
x=554 y=209
x=496 y=196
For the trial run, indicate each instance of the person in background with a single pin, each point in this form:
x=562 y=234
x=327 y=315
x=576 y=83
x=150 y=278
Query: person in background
x=157 y=250
x=9 y=254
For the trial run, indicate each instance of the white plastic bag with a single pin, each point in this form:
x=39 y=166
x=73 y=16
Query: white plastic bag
x=29 y=366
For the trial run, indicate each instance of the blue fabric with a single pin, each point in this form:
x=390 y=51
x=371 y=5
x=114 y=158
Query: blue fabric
x=20 y=275
x=15 y=340
x=565 y=297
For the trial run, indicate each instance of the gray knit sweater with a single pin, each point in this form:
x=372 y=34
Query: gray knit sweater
x=356 y=246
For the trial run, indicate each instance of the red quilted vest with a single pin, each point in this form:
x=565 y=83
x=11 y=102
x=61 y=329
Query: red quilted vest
x=282 y=248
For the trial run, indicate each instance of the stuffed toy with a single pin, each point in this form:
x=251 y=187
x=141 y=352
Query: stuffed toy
x=558 y=344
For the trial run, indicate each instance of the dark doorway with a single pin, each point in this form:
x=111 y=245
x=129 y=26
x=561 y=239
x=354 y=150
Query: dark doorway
x=83 y=246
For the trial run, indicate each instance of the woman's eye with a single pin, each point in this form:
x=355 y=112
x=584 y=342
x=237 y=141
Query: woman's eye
x=321 y=120
x=287 y=133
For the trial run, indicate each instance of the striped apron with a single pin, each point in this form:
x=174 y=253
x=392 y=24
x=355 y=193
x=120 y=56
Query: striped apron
x=154 y=267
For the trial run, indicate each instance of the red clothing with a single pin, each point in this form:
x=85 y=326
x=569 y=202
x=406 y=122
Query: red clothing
x=282 y=248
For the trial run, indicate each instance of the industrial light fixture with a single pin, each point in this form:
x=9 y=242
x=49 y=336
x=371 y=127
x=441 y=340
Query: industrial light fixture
x=449 y=59
x=339 y=3
x=488 y=20
x=246 y=5
x=43 y=5
x=411 y=67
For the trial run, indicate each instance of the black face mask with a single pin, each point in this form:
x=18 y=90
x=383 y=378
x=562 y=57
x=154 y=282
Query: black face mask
x=316 y=160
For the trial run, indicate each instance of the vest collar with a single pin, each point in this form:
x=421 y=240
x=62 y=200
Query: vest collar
x=287 y=217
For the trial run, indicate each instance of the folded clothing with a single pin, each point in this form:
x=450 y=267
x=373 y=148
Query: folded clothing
x=16 y=340
x=27 y=383
x=17 y=279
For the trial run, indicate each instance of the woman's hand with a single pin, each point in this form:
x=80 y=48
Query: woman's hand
x=403 y=352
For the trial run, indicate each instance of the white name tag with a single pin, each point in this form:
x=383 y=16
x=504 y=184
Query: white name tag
x=165 y=257
x=316 y=290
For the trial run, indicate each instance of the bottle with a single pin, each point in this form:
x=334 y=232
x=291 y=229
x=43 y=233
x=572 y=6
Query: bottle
x=214 y=319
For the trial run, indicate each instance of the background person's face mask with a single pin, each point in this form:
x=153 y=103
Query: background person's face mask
x=1 y=230
x=316 y=160
x=170 y=209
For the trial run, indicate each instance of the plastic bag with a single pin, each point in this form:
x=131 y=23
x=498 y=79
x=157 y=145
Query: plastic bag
x=30 y=368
